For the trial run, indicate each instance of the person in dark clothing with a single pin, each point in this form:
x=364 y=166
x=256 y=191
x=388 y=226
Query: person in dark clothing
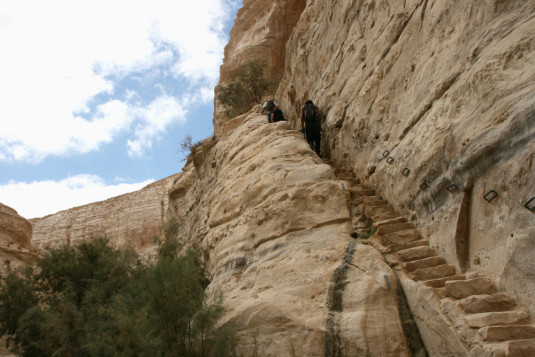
x=277 y=115
x=311 y=121
x=268 y=108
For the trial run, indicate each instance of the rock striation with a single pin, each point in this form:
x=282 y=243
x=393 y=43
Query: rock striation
x=433 y=105
x=273 y=225
x=261 y=30
x=15 y=241
x=430 y=108
x=133 y=219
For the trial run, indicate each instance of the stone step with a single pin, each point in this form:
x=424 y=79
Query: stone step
x=497 y=318
x=371 y=211
x=378 y=224
x=343 y=175
x=402 y=246
x=394 y=227
x=360 y=224
x=520 y=348
x=516 y=348
x=463 y=288
x=400 y=237
x=416 y=253
x=507 y=332
x=424 y=263
x=436 y=272
x=371 y=200
x=385 y=216
x=441 y=282
x=343 y=169
x=352 y=182
x=357 y=192
x=487 y=303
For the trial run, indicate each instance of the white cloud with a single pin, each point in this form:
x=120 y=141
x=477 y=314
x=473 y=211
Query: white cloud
x=153 y=120
x=40 y=198
x=59 y=55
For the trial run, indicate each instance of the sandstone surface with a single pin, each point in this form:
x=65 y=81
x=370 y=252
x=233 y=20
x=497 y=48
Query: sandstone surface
x=445 y=90
x=261 y=30
x=133 y=219
x=274 y=228
x=15 y=240
x=432 y=106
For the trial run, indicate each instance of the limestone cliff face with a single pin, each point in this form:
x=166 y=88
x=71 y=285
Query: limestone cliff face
x=273 y=225
x=425 y=100
x=15 y=240
x=132 y=219
x=261 y=30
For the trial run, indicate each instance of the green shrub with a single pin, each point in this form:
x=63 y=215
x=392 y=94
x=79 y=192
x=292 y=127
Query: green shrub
x=246 y=90
x=95 y=300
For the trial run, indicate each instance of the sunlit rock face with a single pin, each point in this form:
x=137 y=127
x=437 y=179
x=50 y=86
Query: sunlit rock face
x=130 y=220
x=273 y=226
x=426 y=100
x=15 y=240
x=261 y=30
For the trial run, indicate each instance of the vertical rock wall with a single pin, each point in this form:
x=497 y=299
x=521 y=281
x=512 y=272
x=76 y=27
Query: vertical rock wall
x=273 y=225
x=15 y=240
x=132 y=219
x=427 y=99
x=261 y=30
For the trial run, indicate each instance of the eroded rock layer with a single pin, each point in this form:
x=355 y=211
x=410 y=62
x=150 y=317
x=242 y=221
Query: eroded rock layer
x=133 y=219
x=425 y=100
x=15 y=240
x=274 y=228
x=260 y=32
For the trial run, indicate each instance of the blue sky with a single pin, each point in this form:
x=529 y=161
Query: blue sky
x=97 y=95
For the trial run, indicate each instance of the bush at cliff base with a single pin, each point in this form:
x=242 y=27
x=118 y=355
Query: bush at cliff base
x=95 y=300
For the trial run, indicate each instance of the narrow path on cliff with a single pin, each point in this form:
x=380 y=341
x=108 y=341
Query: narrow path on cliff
x=486 y=322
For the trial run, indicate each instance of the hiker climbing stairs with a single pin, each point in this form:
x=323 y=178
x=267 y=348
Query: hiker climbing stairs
x=487 y=321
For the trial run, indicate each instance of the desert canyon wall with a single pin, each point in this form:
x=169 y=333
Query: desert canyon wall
x=430 y=104
x=15 y=240
x=273 y=225
x=133 y=219
x=260 y=32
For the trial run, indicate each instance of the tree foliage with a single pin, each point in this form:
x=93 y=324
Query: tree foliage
x=95 y=300
x=247 y=88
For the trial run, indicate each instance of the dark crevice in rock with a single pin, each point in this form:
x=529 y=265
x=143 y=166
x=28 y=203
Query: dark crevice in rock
x=333 y=338
x=410 y=329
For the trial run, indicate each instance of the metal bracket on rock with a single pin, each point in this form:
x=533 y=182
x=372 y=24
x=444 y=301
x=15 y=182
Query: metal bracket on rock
x=386 y=153
x=491 y=196
x=530 y=205
x=452 y=188
x=405 y=172
x=390 y=160
x=424 y=186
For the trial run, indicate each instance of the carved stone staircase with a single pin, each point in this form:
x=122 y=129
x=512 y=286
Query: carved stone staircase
x=487 y=321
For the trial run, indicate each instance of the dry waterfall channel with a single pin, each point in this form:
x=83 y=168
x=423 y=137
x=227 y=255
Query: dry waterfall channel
x=464 y=312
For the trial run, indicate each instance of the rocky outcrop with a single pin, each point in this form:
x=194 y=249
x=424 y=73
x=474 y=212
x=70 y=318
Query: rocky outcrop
x=133 y=219
x=426 y=100
x=261 y=30
x=273 y=225
x=15 y=241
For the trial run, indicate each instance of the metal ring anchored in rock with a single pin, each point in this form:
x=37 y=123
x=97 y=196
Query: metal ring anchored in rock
x=452 y=188
x=386 y=153
x=424 y=186
x=530 y=205
x=390 y=160
x=405 y=172
x=491 y=196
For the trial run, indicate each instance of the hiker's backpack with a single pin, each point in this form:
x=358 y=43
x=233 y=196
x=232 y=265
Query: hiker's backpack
x=277 y=115
x=270 y=105
x=309 y=113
